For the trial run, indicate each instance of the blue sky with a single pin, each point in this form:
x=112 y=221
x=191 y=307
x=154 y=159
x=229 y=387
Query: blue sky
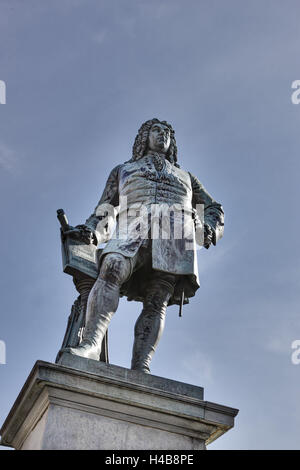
x=81 y=77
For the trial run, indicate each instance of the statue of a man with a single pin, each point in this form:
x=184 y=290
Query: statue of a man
x=157 y=271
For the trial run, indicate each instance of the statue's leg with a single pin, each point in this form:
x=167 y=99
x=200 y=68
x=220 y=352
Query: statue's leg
x=102 y=303
x=150 y=324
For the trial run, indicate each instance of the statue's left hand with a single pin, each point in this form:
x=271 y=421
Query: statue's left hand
x=208 y=236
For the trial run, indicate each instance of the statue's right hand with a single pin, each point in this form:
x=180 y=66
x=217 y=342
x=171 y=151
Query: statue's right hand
x=81 y=233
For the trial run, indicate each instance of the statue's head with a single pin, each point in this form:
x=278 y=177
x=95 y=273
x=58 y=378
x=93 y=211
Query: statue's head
x=158 y=136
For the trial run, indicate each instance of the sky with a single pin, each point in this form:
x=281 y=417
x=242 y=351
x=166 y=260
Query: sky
x=81 y=76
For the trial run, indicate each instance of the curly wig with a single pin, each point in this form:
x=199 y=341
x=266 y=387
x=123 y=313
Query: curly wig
x=140 y=145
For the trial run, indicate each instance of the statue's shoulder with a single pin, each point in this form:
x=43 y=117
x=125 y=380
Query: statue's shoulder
x=115 y=171
x=129 y=164
x=117 y=168
x=195 y=181
x=180 y=168
x=183 y=171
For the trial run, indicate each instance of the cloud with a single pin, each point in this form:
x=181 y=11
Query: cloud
x=8 y=158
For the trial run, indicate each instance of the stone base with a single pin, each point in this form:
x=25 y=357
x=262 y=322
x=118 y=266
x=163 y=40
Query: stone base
x=85 y=404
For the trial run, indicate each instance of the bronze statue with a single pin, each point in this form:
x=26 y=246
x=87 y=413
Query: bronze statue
x=156 y=270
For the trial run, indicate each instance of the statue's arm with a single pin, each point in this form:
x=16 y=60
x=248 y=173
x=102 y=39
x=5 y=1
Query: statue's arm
x=110 y=196
x=213 y=212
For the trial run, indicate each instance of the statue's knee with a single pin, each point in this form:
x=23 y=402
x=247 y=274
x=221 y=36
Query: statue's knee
x=158 y=296
x=115 y=268
x=156 y=303
x=155 y=306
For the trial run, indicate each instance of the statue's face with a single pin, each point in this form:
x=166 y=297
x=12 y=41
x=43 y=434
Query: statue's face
x=159 y=138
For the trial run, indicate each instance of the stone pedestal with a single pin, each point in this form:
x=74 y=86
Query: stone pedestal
x=85 y=404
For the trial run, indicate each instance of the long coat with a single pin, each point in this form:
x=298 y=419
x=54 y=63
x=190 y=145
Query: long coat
x=153 y=181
